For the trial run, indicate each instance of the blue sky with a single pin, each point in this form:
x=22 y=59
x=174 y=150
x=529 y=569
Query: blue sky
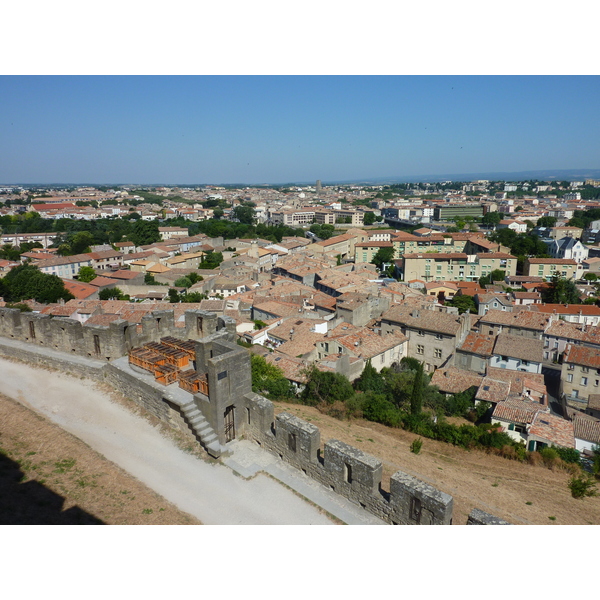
x=277 y=129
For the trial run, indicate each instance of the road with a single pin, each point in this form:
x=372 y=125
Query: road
x=210 y=492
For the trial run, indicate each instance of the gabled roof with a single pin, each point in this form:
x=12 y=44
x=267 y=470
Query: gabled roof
x=477 y=343
x=581 y=355
x=555 y=430
x=518 y=411
x=518 y=346
x=453 y=380
x=429 y=320
x=79 y=289
x=524 y=319
x=586 y=428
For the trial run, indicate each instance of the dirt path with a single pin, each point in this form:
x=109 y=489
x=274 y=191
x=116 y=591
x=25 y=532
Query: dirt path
x=209 y=492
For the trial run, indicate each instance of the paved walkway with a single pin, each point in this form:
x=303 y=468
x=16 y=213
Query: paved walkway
x=214 y=493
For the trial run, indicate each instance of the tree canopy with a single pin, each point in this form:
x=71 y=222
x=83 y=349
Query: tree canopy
x=27 y=282
x=383 y=255
x=561 y=291
x=86 y=274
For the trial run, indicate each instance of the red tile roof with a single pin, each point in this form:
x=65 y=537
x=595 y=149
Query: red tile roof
x=581 y=355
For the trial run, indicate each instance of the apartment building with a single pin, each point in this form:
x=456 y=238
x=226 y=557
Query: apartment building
x=432 y=335
x=455 y=266
x=365 y=251
x=547 y=267
x=580 y=375
x=65 y=266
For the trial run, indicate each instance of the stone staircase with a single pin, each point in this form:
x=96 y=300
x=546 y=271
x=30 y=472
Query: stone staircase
x=202 y=429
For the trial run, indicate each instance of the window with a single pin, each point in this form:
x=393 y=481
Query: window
x=584 y=381
x=439 y=336
x=437 y=353
x=570 y=377
x=571 y=367
x=420 y=349
x=525 y=363
x=292 y=442
x=421 y=333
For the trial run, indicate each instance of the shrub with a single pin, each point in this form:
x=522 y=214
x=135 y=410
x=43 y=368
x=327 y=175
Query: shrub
x=375 y=407
x=337 y=410
x=534 y=458
x=416 y=446
x=582 y=486
x=569 y=455
x=323 y=386
x=549 y=456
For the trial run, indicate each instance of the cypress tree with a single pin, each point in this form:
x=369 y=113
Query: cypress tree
x=416 y=399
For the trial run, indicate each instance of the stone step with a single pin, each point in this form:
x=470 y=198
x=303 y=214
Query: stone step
x=197 y=421
x=210 y=438
x=203 y=428
x=214 y=449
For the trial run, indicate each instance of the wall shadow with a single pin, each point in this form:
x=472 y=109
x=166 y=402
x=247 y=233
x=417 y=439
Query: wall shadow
x=32 y=503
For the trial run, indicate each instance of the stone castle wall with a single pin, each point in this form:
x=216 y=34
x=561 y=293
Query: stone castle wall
x=69 y=346
x=344 y=469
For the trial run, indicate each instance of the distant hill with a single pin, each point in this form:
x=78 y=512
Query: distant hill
x=544 y=175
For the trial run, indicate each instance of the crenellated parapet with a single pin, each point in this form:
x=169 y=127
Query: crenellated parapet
x=345 y=469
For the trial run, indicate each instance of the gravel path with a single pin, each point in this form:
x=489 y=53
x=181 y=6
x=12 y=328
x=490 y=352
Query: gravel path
x=210 y=492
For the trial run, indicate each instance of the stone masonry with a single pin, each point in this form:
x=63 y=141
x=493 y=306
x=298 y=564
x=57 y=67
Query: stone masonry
x=228 y=410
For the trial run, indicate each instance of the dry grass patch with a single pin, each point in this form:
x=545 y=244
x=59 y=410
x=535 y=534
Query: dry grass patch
x=48 y=476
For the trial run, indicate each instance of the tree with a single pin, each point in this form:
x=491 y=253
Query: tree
x=491 y=218
x=546 y=222
x=561 y=291
x=9 y=252
x=144 y=233
x=243 y=214
x=269 y=379
x=183 y=282
x=577 y=222
x=370 y=379
x=383 y=255
x=464 y=304
x=193 y=297
x=416 y=398
x=112 y=294
x=325 y=387
x=86 y=274
x=81 y=242
x=459 y=222
x=211 y=260
x=322 y=231
x=27 y=282
x=369 y=218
